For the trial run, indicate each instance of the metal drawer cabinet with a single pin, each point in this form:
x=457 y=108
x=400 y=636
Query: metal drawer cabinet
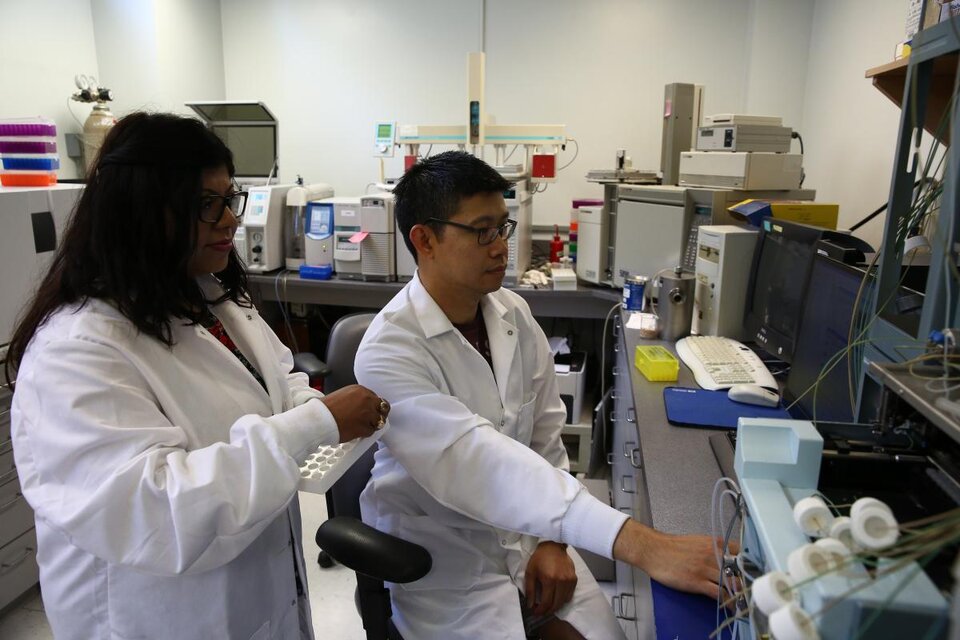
x=18 y=567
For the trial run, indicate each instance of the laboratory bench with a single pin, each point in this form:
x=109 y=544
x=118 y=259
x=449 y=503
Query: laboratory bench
x=585 y=302
x=660 y=474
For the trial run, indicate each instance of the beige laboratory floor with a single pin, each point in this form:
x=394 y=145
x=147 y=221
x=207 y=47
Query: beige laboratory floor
x=331 y=592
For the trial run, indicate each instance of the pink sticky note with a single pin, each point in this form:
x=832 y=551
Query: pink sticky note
x=358 y=237
x=667 y=108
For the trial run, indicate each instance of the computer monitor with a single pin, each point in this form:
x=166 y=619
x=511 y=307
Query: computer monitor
x=778 y=282
x=824 y=329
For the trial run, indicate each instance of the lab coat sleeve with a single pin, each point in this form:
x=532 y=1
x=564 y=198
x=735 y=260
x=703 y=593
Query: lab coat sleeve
x=100 y=462
x=550 y=414
x=467 y=465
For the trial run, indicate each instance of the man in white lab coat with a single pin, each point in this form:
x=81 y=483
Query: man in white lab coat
x=473 y=467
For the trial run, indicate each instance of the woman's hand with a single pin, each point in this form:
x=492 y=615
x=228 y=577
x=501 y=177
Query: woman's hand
x=358 y=411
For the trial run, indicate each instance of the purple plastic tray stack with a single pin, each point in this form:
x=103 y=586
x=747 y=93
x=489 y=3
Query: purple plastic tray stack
x=28 y=152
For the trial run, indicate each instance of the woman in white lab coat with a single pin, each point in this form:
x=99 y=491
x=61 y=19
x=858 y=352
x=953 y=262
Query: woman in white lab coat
x=157 y=426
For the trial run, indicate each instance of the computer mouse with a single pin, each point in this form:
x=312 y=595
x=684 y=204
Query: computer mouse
x=753 y=394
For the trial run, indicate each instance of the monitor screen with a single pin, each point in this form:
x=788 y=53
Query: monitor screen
x=254 y=148
x=384 y=130
x=778 y=280
x=824 y=330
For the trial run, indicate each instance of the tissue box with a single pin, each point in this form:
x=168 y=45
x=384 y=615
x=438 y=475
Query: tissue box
x=818 y=214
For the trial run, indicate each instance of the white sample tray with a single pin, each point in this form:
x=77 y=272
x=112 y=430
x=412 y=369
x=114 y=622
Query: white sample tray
x=325 y=466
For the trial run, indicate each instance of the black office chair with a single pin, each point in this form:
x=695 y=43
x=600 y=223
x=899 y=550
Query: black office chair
x=375 y=556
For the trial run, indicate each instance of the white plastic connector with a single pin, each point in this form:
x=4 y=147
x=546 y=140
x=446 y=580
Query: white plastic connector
x=807 y=562
x=813 y=517
x=836 y=551
x=840 y=530
x=863 y=503
x=790 y=622
x=874 y=528
x=772 y=591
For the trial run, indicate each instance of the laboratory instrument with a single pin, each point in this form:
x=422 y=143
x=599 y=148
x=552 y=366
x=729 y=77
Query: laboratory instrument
x=377 y=249
x=318 y=235
x=519 y=201
x=32 y=220
x=592 y=244
x=724 y=258
x=655 y=227
x=259 y=239
x=682 y=110
x=571 y=372
x=347 y=236
x=720 y=363
x=742 y=118
x=294 y=227
x=250 y=131
x=744 y=137
x=675 y=298
x=749 y=171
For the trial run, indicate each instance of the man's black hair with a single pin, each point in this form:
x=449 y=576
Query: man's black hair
x=434 y=187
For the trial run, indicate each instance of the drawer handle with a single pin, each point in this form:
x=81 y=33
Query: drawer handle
x=616 y=328
x=613 y=416
x=7 y=505
x=9 y=475
x=7 y=567
x=621 y=610
x=634 y=460
x=615 y=370
x=616 y=347
x=623 y=484
x=627 y=446
x=610 y=459
x=631 y=416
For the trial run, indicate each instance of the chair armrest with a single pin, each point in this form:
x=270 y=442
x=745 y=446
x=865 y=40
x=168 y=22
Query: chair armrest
x=310 y=364
x=371 y=552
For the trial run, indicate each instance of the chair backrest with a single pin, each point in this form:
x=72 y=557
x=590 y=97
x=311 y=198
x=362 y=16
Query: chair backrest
x=345 y=337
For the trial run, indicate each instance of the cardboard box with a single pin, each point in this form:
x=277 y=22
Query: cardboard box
x=818 y=214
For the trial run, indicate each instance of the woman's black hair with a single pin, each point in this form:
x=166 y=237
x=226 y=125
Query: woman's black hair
x=134 y=230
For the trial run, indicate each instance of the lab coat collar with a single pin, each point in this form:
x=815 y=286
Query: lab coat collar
x=239 y=323
x=433 y=320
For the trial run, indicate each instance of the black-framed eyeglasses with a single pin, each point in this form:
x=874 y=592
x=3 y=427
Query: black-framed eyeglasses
x=212 y=206
x=485 y=235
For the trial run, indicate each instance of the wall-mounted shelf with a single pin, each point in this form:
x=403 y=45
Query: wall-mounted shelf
x=890 y=79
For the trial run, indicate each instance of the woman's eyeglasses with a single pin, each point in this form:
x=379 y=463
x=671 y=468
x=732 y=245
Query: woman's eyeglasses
x=212 y=206
x=485 y=235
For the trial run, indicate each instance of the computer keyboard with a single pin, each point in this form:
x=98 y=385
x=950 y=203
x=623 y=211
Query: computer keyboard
x=720 y=363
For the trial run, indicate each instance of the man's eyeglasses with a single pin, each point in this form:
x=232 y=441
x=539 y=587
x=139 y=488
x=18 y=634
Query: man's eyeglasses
x=212 y=206
x=485 y=235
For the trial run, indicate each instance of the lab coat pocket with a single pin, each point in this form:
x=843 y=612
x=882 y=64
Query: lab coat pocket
x=521 y=428
x=456 y=563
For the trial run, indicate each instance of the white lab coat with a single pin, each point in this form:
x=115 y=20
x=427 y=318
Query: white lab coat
x=473 y=467
x=164 y=480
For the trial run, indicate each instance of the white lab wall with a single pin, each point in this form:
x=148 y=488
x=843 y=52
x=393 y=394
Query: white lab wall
x=850 y=128
x=330 y=70
x=39 y=56
x=600 y=68
x=158 y=54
